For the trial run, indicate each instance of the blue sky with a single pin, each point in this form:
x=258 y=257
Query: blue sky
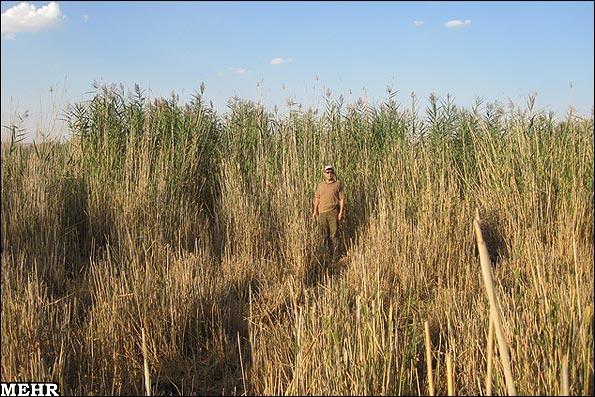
x=275 y=52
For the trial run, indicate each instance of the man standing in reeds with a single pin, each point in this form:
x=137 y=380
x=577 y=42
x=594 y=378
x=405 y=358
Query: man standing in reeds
x=329 y=204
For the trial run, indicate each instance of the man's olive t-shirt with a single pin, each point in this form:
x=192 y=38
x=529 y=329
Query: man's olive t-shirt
x=329 y=195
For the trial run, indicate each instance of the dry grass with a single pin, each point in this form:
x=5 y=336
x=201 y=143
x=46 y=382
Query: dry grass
x=195 y=230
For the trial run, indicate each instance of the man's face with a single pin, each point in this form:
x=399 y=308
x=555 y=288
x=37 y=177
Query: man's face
x=328 y=174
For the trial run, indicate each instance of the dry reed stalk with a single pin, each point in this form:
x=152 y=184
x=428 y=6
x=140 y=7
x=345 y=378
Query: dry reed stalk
x=429 y=359
x=486 y=269
x=565 y=380
x=147 y=374
x=449 y=374
x=241 y=363
x=490 y=357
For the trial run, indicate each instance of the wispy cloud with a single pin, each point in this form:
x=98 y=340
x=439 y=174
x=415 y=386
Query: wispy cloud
x=418 y=23
x=455 y=23
x=85 y=18
x=237 y=70
x=234 y=70
x=280 y=61
x=25 y=17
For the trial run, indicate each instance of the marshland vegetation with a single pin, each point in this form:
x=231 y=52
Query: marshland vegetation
x=194 y=228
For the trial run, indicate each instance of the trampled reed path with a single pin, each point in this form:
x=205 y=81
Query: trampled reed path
x=195 y=229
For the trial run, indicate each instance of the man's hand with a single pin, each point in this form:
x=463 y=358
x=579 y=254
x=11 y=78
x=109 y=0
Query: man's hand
x=340 y=216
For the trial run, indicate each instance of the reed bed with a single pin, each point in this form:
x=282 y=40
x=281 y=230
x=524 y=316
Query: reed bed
x=166 y=242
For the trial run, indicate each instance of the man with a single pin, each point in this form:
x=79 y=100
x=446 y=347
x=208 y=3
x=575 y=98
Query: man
x=329 y=206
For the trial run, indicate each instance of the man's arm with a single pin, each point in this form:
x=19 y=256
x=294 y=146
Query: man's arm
x=341 y=207
x=315 y=211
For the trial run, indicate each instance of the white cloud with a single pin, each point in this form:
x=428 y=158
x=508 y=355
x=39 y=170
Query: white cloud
x=220 y=74
x=280 y=61
x=455 y=23
x=85 y=18
x=237 y=70
x=25 y=17
x=418 y=23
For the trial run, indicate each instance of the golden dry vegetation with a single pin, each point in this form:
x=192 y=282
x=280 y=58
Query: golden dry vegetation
x=195 y=229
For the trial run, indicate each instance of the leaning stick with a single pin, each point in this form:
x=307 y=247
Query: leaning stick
x=486 y=270
x=490 y=358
